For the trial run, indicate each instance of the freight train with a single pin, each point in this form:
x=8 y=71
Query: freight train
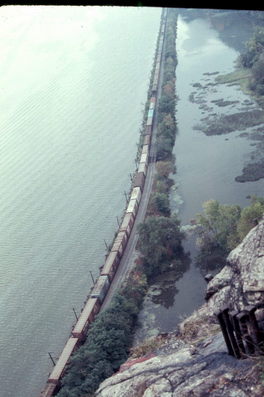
x=108 y=270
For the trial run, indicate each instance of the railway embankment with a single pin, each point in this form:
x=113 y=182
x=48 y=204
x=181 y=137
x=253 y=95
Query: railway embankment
x=100 y=340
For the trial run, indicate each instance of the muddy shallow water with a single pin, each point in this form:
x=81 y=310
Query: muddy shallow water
x=207 y=166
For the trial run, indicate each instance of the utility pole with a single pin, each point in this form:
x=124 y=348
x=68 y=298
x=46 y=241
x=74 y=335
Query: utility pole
x=125 y=193
x=106 y=246
x=118 y=221
x=92 y=276
x=50 y=356
x=75 y=313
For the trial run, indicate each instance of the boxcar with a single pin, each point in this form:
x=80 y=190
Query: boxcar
x=147 y=140
x=149 y=121
x=101 y=287
x=136 y=194
x=132 y=206
x=127 y=223
x=144 y=158
x=111 y=264
x=139 y=180
x=120 y=243
x=148 y=129
x=90 y=309
x=60 y=366
x=150 y=113
x=49 y=390
x=152 y=102
x=142 y=168
x=145 y=149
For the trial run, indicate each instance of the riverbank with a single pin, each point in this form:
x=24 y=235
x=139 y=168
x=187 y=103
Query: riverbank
x=206 y=166
x=107 y=348
x=194 y=358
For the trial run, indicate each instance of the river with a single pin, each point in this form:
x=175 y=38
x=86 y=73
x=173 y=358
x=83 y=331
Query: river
x=74 y=83
x=206 y=165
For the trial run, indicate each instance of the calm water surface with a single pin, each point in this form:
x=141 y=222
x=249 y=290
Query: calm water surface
x=73 y=84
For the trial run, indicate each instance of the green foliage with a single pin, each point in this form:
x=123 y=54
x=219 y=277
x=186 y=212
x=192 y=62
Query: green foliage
x=159 y=204
x=218 y=225
x=222 y=228
x=250 y=216
x=159 y=242
x=254 y=58
x=257 y=81
x=107 y=344
x=254 y=48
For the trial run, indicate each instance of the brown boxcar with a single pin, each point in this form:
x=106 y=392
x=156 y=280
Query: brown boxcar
x=60 y=366
x=148 y=130
x=111 y=264
x=87 y=315
x=152 y=101
x=120 y=243
x=145 y=149
x=49 y=390
x=139 y=180
x=127 y=223
x=147 y=140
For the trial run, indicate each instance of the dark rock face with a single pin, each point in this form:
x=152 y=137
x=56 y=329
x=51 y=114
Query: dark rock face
x=241 y=281
x=197 y=364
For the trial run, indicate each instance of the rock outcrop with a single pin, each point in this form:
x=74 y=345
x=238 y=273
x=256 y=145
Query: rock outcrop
x=241 y=281
x=194 y=361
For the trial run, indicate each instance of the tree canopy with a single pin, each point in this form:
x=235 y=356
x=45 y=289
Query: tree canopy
x=159 y=242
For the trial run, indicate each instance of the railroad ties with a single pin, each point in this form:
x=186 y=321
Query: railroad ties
x=243 y=332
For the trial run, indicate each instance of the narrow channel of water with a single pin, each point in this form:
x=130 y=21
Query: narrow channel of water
x=206 y=165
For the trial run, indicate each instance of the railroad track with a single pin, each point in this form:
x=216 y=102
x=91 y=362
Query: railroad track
x=120 y=259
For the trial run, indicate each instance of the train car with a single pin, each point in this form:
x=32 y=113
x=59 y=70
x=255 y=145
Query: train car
x=152 y=102
x=60 y=366
x=49 y=390
x=142 y=168
x=136 y=194
x=101 y=287
x=145 y=149
x=147 y=140
x=111 y=264
x=127 y=223
x=149 y=122
x=87 y=316
x=144 y=158
x=150 y=113
x=120 y=243
x=148 y=129
x=139 y=180
x=132 y=206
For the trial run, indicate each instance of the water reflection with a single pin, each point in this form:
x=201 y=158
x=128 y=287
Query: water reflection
x=163 y=287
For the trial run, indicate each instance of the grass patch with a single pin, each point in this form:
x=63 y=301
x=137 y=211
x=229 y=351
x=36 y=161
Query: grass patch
x=225 y=124
x=242 y=77
x=234 y=77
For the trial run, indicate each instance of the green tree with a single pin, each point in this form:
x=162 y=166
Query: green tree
x=254 y=48
x=217 y=233
x=250 y=216
x=159 y=204
x=159 y=242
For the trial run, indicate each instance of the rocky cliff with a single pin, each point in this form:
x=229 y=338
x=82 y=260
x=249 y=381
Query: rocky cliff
x=193 y=361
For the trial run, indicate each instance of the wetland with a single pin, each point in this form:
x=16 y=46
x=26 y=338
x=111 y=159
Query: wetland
x=219 y=145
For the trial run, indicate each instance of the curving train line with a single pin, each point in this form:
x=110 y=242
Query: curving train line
x=100 y=289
